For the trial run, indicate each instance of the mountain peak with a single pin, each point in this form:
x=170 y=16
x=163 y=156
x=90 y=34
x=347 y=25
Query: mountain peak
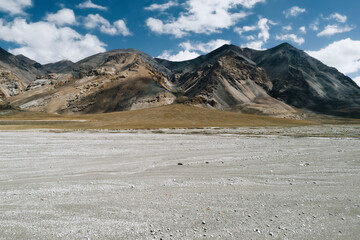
x=285 y=46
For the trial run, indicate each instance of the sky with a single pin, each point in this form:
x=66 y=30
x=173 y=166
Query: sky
x=50 y=31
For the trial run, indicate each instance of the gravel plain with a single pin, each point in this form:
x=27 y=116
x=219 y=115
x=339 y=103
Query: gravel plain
x=248 y=183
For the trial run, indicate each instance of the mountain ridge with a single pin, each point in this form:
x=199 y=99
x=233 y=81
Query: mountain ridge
x=275 y=82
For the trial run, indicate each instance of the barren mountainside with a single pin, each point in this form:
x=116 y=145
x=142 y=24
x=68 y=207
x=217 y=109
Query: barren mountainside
x=277 y=82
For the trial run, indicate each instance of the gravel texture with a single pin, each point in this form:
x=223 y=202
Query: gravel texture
x=130 y=185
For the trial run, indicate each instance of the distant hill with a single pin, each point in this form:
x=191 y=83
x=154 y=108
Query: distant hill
x=282 y=82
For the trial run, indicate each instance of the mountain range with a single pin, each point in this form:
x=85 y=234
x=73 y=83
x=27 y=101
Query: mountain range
x=282 y=81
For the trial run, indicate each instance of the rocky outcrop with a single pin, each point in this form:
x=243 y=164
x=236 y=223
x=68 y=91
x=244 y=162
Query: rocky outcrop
x=25 y=69
x=10 y=84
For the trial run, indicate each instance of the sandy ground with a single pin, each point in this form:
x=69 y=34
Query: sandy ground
x=102 y=185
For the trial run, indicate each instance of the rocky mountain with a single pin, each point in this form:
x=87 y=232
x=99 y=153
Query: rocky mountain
x=227 y=80
x=276 y=82
x=10 y=84
x=24 y=68
x=111 y=81
x=304 y=82
x=56 y=67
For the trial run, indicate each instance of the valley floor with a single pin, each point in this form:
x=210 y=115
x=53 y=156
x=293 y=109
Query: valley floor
x=246 y=183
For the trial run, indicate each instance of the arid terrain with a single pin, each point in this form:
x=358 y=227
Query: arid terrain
x=234 y=144
x=242 y=183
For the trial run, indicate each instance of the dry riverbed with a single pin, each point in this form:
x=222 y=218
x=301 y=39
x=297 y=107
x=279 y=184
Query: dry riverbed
x=259 y=183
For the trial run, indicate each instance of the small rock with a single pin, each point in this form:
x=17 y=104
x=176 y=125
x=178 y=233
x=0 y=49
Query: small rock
x=203 y=222
x=207 y=162
x=180 y=164
x=271 y=234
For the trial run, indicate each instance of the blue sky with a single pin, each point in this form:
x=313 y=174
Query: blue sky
x=49 y=31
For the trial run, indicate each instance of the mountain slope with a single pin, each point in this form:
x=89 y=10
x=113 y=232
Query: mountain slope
x=57 y=67
x=275 y=82
x=225 y=79
x=304 y=82
x=113 y=81
x=21 y=66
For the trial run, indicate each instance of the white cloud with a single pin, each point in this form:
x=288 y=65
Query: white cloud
x=161 y=7
x=63 y=17
x=287 y=28
x=290 y=37
x=357 y=80
x=338 y=17
x=178 y=57
x=302 y=29
x=315 y=25
x=46 y=42
x=204 y=47
x=94 y=21
x=343 y=54
x=203 y=16
x=294 y=11
x=89 y=4
x=256 y=44
x=263 y=36
x=14 y=6
x=250 y=38
x=334 y=29
x=193 y=50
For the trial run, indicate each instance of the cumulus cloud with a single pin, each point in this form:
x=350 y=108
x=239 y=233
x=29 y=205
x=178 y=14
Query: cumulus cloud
x=90 y=4
x=294 y=11
x=203 y=16
x=63 y=17
x=263 y=27
x=338 y=17
x=192 y=50
x=290 y=37
x=161 y=7
x=14 y=6
x=204 y=47
x=95 y=21
x=46 y=42
x=315 y=25
x=302 y=29
x=343 y=55
x=287 y=28
x=182 y=55
x=330 y=30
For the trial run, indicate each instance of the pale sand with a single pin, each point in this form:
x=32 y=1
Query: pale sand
x=83 y=185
